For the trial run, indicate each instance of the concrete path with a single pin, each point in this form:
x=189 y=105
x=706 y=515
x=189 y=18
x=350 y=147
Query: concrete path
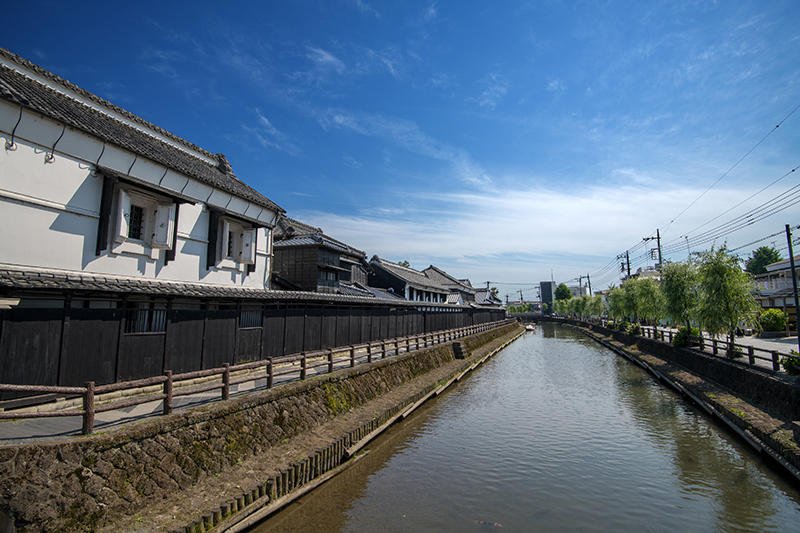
x=28 y=430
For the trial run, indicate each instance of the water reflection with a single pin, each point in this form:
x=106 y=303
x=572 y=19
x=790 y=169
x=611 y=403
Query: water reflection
x=555 y=433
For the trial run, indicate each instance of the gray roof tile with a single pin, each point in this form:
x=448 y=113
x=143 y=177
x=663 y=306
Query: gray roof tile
x=33 y=95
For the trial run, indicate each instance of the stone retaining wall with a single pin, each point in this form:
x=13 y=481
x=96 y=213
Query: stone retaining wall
x=88 y=483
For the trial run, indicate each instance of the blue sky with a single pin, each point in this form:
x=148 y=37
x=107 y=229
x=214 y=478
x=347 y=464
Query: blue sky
x=498 y=140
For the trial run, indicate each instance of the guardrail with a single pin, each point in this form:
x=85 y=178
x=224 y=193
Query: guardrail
x=169 y=386
x=714 y=346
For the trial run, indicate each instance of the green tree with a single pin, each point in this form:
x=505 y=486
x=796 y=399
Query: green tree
x=615 y=303
x=649 y=302
x=727 y=300
x=594 y=306
x=761 y=258
x=563 y=292
x=679 y=285
x=404 y=263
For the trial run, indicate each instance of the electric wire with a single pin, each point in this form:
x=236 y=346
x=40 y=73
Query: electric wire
x=738 y=161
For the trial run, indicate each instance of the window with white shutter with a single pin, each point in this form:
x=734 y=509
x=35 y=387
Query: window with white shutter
x=164 y=220
x=123 y=215
x=247 y=252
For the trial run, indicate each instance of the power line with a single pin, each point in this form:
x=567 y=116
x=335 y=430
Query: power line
x=764 y=138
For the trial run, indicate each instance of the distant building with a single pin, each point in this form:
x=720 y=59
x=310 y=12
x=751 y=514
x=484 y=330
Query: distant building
x=547 y=291
x=410 y=283
x=307 y=259
x=774 y=289
x=462 y=292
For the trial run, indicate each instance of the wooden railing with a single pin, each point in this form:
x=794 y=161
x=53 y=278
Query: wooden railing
x=718 y=347
x=167 y=387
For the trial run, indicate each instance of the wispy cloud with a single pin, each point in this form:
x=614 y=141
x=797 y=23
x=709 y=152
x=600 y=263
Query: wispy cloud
x=270 y=137
x=366 y=8
x=390 y=60
x=408 y=135
x=496 y=88
x=537 y=228
x=556 y=86
x=325 y=61
x=431 y=12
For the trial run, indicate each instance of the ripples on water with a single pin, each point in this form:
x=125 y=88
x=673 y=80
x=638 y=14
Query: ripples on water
x=555 y=433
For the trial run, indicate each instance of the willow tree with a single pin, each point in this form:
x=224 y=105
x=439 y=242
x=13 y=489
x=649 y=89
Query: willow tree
x=649 y=301
x=594 y=306
x=727 y=299
x=615 y=303
x=679 y=285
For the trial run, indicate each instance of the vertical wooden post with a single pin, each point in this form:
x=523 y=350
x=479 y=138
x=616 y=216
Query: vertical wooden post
x=269 y=373
x=226 y=381
x=303 y=366
x=330 y=360
x=352 y=356
x=383 y=349
x=88 y=408
x=168 y=393
x=369 y=352
x=751 y=356
x=776 y=366
x=714 y=346
x=670 y=336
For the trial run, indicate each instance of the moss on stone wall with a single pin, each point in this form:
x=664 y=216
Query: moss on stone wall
x=83 y=483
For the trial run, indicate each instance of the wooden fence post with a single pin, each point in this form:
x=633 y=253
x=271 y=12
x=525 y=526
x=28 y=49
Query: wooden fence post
x=330 y=360
x=670 y=336
x=303 y=366
x=168 y=393
x=751 y=356
x=226 y=381
x=352 y=356
x=88 y=408
x=269 y=373
x=776 y=366
x=383 y=349
x=369 y=352
x=714 y=346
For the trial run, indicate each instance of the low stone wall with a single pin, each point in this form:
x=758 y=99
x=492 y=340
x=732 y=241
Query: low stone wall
x=777 y=393
x=88 y=483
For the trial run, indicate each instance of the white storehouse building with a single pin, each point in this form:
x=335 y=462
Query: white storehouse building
x=92 y=188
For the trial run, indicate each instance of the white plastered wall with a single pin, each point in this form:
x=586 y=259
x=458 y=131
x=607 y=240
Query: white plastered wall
x=49 y=208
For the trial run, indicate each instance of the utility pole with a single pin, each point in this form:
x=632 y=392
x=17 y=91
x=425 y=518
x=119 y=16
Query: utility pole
x=520 y=296
x=506 y=299
x=588 y=279
x=657 y=238
x=794 y=284
x=628 y=262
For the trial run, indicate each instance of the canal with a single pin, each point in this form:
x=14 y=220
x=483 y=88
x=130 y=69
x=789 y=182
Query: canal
x=554 y=433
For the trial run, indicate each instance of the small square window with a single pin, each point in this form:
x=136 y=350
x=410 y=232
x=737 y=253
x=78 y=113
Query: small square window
x=136 y=224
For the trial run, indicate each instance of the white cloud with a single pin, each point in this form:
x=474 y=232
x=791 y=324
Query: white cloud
x=556 y=86
x=270 y=137
x=325 y=61
x=409 y=136
x=496 y=89
x=365 y=8
x=521 y=234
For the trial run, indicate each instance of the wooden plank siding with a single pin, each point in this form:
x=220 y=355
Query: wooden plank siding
x=68 y=346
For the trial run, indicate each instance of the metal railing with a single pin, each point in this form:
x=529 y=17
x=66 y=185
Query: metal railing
x=167 y=387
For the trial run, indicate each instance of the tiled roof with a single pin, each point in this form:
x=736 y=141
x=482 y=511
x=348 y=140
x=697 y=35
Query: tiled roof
x=37 y=279
x=311 y=240
x=442 y=277
x=29 y=93
x=409 y=275
x=484 y=297
x=291 y=232
x=452 y=298
x=287 y=227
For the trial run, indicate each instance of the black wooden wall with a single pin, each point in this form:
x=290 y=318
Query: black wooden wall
x=70 y=346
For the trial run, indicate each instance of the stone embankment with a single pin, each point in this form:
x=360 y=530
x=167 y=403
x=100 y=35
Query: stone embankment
x=762 y=407
x=222 y=465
